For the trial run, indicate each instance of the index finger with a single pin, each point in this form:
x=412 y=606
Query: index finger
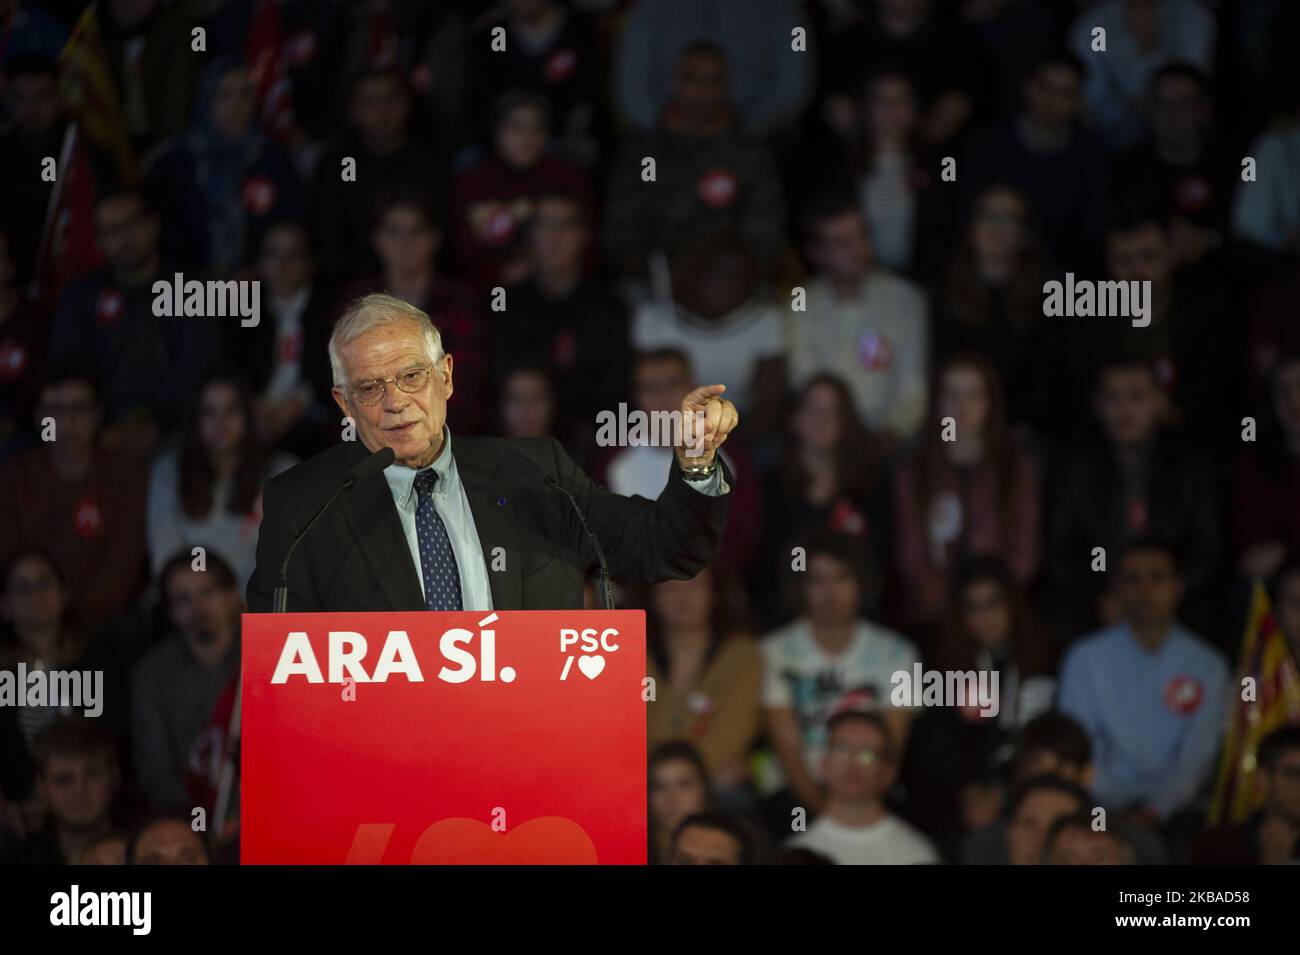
x=703 y=393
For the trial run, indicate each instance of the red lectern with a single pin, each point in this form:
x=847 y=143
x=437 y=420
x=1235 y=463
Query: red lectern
x=459 y=738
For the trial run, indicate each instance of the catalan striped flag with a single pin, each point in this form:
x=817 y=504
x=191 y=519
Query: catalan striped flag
x=91 y=98
x=1269 y=703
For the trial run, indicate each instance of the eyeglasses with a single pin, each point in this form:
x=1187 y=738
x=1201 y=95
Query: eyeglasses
x=373 y=390
x=863 y=757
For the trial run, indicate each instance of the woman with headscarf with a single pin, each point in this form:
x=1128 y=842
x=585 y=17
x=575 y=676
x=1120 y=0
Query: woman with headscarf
x=223 y=184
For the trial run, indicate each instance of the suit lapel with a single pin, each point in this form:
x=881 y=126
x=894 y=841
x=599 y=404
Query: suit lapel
x=372 y=515
x=492 y=504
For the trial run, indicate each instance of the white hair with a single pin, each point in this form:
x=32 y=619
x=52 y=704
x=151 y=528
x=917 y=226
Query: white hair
x=374 y=311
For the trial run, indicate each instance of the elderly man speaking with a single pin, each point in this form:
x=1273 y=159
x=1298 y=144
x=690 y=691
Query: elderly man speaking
x=474 y=523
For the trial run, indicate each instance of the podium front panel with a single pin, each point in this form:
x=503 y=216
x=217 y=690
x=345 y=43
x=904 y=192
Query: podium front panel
x=453 y=738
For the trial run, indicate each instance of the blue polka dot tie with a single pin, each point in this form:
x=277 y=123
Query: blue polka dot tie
x=437 y=560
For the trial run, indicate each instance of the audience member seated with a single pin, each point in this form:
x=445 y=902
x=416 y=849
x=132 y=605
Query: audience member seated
x=1142 y=36
x=722 y=319
x=959 y=757
x=494 y=199
x=284 y=357
x=679 y=788
x=829 y=475
x=1266 y=522
x=714 y=838
x=77 y=779
x=224 y=183
x=406 y=237
x=770 y=86
x=707 y=176
x=860 y=322
x=1075 y=840
x=527 y=403
x=1152 y=695
x=707 y=673
x=826 y=658
x=389 y=151
x=1271 y=836
x=1051 y=158
x=896 y=179
x=1038 y=802
x=108 y=849
x=176 y=685
x=168 y=840
x=208 y=491
x=42 y=634
x=551 y=50
x=148 y=364
x=1140 y=480
x=83 y=504
x=565 y=319
x=970 y=490
x=856 y=828
x=990 y=300
x=1188 y=334
x=1181 y=168
x=1266 y=210
x=948 y=62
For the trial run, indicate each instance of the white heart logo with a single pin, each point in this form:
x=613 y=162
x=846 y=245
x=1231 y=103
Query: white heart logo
x=591 y=666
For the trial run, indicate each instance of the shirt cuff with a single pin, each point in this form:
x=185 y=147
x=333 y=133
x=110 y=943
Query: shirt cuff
x=713 y=486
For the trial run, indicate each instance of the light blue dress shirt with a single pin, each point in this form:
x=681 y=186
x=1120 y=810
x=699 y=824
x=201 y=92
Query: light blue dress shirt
x=1155 y=717
x=452 y=505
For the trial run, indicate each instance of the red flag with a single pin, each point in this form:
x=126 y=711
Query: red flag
x=68 y=247
x=266 y=52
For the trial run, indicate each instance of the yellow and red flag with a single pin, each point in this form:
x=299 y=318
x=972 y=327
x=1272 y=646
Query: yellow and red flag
x=1270 y=703
x=91 y=97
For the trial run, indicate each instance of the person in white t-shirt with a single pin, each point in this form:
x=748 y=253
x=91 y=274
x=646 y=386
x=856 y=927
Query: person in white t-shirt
x=861 y=323
x=856 y=828
x=826 y=658
x=722 y=320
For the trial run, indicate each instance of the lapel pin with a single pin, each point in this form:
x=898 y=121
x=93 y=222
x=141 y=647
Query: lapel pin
x=501 y=502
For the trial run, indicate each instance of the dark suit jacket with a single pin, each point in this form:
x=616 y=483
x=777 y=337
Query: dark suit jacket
x=356 y=556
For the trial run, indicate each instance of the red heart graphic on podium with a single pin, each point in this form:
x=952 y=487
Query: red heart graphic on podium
x=546 y=840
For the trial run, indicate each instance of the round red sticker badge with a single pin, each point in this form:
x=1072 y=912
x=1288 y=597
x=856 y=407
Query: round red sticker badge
x=13 y=360
x=564 y=350
x=499 y=228
x=1137 y=514
x=108 y=309
x=87 y=518
x=847 y=518
x=560 y=65
x=718 y=188
x=1192 y=194
x=258 y=195
x=875 y=351
x=1183 y=695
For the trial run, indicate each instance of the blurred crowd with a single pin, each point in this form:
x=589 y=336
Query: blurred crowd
x=845 y=211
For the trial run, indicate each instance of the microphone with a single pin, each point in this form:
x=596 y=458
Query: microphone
x=539 y=473
x=371 y=464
